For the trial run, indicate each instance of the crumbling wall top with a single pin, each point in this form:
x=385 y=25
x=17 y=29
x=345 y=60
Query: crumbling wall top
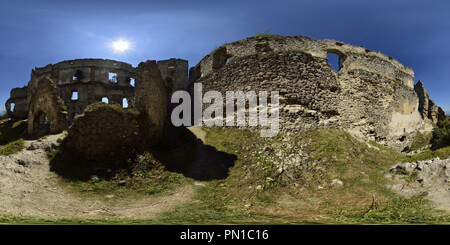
x=352 y=58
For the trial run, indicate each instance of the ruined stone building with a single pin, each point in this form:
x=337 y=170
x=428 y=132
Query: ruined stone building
x=83 y=82
x=369 y=94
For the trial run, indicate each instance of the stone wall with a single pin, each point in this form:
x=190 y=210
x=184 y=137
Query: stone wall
x=175 y=71
x=371 y=95
x=46 y=105
x=151 y=100
x=92 y=80
x=427 y=107
x=109 y=129
x=16 y=106
x=104 y=130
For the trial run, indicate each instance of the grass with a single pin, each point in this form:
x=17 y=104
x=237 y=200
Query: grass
x=399 y=210
x=364 y=198
x=422 y=140
x=140 y=177
x=267 y=35
x=210 y=206
x=117 y=107
x=151 y=172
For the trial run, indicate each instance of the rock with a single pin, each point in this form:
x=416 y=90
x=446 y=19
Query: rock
x=337 y=182
x=40 y=144
x=28 y=162
x=199 y=184
x=19 y=170
x=429 y=176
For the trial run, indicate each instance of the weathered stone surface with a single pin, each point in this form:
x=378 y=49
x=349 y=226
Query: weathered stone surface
x=18 y=98
x=175 y=71
x=90 y=79
x=430 y=178
x=371 y=96
x=151 y=99
x=104 y=130
x=46 y=102
x=428 y=107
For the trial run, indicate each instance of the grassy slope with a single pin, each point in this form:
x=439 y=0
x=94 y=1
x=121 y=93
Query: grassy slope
x=363 y=198
x=256 y=193
x=11 y=136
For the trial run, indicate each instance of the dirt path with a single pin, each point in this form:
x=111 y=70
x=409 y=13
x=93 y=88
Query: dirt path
x=28 y=188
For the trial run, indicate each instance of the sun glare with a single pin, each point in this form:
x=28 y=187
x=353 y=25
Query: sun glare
x=121 y=45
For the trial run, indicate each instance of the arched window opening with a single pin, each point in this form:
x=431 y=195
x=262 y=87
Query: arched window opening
x=132 y=82
x=105 y=100
x=12 y=105
x=124 y=103
x=113 y=77
x=336 y=59
x=333 y=60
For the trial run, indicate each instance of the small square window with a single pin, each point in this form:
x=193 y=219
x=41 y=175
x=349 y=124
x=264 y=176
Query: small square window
x=113 y=77
x=75 y=95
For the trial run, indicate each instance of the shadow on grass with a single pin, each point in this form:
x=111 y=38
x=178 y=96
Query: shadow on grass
x=181 y=151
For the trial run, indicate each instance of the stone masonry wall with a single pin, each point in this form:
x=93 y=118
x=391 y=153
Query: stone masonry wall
x=371 y=96
x=90 y=79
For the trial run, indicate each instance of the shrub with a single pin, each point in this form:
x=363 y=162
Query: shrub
x=3 y=115
x=267 y=35
x=442 y=134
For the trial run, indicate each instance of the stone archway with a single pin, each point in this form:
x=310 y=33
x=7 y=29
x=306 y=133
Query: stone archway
x=41 y=121
x=45 y=100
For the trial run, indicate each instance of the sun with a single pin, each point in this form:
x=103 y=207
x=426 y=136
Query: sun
x=121 y=45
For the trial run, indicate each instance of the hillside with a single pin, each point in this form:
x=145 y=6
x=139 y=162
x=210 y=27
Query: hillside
x=319 y=176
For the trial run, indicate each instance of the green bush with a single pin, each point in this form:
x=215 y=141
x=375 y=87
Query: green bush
x=442 y=133
x=3 y=115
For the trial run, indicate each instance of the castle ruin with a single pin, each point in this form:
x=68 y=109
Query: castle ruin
x=370 y=94
x=82 y=82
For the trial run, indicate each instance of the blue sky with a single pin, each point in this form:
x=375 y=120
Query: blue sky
x=37 y=33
